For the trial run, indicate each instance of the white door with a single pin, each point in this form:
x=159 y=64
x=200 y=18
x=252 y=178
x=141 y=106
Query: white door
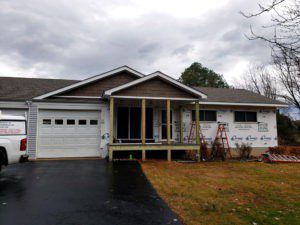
x=63 y=133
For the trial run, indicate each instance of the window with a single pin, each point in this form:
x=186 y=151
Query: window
x=93 y=122
x=47 y=121
x=129 y=123
x=70 y=122
x=82 y=122
x=149 y=123
x=135 y=123
x=241 y=116
x=123 y=123
x=164 y=124
x=205 y=115
x=59 y=122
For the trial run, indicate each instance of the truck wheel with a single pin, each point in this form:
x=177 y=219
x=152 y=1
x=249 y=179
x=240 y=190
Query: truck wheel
x=2 y=162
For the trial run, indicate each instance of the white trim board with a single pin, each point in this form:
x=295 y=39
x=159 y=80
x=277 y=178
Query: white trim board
x=91 y=79
x=153 y=75
x=243 y=104
x=71 y=96
x=69 y=106
x=14 y=105
x=153 y=98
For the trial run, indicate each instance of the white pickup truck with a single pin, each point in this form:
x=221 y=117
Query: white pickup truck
x=12 y=139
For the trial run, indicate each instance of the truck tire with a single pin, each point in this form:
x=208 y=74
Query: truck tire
x=1 y=161
x=2 y=158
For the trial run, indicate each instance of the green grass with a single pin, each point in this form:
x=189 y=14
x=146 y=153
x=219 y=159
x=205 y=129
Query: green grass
x=230 y=192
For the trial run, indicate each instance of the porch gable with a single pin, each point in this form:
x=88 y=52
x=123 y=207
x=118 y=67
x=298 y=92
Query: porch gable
x=156 y=86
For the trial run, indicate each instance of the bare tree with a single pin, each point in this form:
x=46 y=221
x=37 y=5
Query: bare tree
x=260 y=79
x=284 y=43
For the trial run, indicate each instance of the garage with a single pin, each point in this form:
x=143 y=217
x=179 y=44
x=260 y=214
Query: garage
x=66 y=133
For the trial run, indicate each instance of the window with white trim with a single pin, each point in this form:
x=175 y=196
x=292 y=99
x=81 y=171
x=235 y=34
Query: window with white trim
x=205 y=115
x=93 y=122
x=59 y=122
x=47 y=121
x=81 y=122
x=70 y=122
x=245 y=116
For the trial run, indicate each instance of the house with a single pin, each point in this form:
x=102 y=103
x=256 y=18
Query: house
x=123 y=109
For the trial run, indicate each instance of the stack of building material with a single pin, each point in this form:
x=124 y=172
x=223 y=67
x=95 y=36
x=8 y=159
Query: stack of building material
x=275 y=158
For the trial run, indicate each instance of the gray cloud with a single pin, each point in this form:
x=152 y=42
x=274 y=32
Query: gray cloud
x=76 y=39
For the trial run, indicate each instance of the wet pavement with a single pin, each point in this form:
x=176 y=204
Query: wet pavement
x=80 y=192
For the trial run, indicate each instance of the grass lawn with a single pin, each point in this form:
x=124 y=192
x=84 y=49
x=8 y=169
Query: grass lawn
x=229 y=192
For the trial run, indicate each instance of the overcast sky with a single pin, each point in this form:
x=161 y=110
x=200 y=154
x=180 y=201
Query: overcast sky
x=74 y=39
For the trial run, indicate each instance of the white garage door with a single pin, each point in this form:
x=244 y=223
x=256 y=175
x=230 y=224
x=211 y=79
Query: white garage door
x=68 y=134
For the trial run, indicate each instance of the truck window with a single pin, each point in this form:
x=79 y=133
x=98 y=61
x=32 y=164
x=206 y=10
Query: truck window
x=12 y=127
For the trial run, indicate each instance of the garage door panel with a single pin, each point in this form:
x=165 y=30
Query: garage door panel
x=67 y=137
x=75 y=152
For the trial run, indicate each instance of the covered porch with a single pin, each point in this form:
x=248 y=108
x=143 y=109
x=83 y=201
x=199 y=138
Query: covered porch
x=150 y=124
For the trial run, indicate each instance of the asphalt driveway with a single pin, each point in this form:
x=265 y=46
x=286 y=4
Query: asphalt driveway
x=79 y=192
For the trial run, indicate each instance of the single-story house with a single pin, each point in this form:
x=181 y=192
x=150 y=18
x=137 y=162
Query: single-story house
x=123 y=109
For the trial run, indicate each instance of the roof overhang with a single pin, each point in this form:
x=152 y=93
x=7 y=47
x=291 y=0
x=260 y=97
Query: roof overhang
x=158 y=74
x=92 y=79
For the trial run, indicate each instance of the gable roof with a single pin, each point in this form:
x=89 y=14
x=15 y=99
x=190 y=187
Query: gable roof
x=160 y=75
x=235 y=96
x=92 y=79
x=17 y=88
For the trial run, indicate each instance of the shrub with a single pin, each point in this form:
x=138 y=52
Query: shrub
x=244 y=150
x=217 y=150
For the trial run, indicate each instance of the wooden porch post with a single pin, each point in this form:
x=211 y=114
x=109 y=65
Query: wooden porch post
x=168 y=122
x=169 y=127
x=197 y=128
x=111 y=127
x=181 y=126
x=143 y=128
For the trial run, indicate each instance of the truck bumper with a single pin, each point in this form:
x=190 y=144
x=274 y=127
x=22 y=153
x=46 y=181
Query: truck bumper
x=24 y=158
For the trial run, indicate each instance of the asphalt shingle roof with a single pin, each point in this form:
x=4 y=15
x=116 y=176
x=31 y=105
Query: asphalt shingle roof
x=229 y=95
x=14 y=89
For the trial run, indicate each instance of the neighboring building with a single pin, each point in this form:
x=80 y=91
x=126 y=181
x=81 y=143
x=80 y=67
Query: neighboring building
x=123 y=109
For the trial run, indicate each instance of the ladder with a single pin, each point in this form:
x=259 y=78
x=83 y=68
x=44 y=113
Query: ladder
x=192 y=134
x=192 y=138
x=222 y=139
